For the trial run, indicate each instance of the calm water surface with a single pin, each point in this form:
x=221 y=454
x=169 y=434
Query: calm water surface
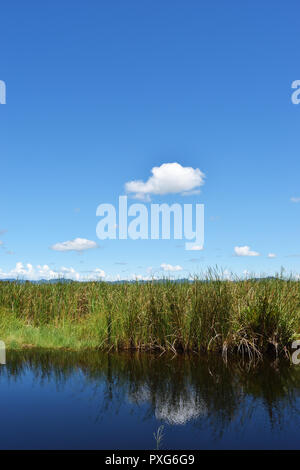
x=117 y=401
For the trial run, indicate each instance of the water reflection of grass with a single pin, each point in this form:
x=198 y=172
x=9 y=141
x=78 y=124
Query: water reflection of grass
x=248 y=316
x=158 y=436
x=202 y=390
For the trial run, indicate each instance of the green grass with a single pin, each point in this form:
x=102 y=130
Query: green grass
x=247 y=316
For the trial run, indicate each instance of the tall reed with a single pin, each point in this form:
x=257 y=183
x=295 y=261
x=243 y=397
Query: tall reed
x=248 y=316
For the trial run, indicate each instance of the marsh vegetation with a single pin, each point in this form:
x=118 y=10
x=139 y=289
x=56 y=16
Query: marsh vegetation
x=250 y=317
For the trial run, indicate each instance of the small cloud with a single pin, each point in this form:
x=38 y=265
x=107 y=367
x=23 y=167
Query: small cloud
x=1 y=242
x=272 y=255
x=196 y=248
x=9 y=252
x=295 y=199
x=170 y=267
x=245 y=251
x=121 y=263
x=169 y=178
x=3 y=231
x=98 y=273
x=246 y=273
x=227 y=275
x=78 y=244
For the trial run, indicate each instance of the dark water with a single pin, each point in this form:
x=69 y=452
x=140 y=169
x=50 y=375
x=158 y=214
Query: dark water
x=102 y=401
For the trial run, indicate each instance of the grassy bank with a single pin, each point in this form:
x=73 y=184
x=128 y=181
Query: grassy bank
x=247 y=316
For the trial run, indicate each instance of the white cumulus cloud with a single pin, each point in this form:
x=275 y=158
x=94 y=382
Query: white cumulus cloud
x=36 y=273
x=170 y=267
x=169 y=178
x=196 y=248
x=245 y=251
x=271 y=255
x=78 y=244
x=98 y=272
x=295 y=199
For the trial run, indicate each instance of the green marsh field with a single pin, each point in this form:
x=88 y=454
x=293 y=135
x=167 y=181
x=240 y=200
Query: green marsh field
x=250 y=317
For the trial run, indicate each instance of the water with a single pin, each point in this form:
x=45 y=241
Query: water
x=117 y=401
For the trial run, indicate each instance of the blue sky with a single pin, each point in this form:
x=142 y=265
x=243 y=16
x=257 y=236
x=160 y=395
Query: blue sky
x=99 y=93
